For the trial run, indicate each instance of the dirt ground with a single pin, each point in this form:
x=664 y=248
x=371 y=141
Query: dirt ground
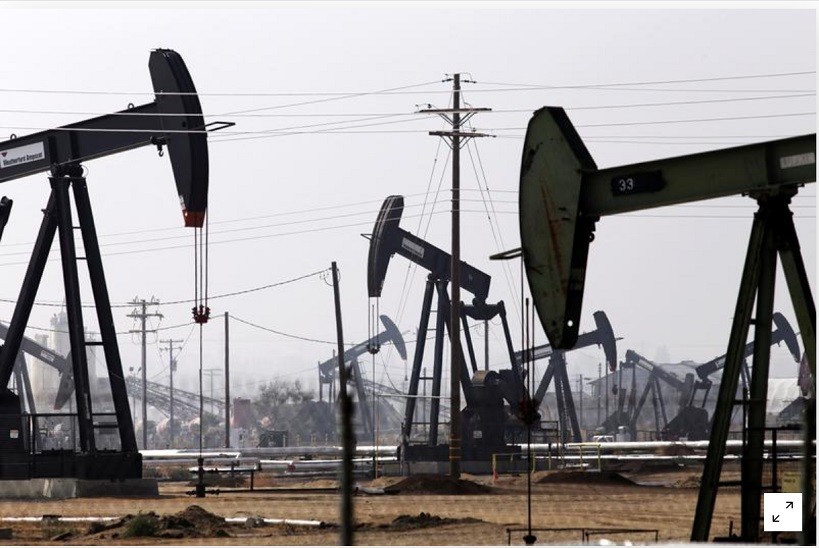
x=415 y=511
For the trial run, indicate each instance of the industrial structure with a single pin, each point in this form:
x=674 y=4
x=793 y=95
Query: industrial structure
x=684 y=411
x=61 y=152
x=562 y=196
x=59 y=419
x=492 y=421
x=367 y=402
x=485 y=417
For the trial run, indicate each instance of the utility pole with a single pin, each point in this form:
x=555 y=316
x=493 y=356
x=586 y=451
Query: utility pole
x=486 y=345
x=227 y=381
x=456 y=139
x=599 y=378
x=348 y=440
x=172 y=368
x=582 y=422
x=143 y=315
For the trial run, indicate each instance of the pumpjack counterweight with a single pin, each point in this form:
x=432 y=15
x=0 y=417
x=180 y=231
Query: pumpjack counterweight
x=174 y=121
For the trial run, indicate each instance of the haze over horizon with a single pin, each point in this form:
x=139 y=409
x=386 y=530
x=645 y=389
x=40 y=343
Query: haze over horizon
x=325 y=100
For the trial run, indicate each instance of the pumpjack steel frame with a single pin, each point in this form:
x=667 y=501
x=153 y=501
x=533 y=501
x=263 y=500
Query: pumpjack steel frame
x=772 y=234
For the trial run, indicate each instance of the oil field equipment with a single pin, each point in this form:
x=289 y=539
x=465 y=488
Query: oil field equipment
x=603 y=336
x=695 y=419
x=173 y=120
x=328 y=370
x=682 y=424
x=563 y=195
x=691 y=421
x=794 y=412
x=484 y=423
x=60 y=363
x=5 y=211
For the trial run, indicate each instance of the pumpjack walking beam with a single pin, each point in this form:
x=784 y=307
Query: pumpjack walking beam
x=563 y=194
x=173 y=120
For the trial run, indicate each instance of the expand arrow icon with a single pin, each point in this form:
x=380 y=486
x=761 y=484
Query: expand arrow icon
x=776 y=519
x=789 y=504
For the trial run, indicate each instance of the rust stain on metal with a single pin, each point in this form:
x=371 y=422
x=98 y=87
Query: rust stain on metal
x=554 y=235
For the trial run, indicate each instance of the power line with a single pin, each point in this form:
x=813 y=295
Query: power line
x=276 y=235
x=336 y=97
x=683 y=121
x=260 y=288
x=395 y=114
x=353 y=130
x=499 y=243
x=275 y=132
x=332 y=94
x=182 y=301
x=658 y=82
x=342 y=129
x=245 y=219
x=232 y=240
x=402 y=90
x=288 y=335
x=232 y=230
x=671 y=103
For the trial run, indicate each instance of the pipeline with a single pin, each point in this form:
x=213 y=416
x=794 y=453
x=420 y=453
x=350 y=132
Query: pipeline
x=80 y=519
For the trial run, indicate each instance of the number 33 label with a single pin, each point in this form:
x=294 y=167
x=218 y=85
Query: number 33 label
x=632 y=183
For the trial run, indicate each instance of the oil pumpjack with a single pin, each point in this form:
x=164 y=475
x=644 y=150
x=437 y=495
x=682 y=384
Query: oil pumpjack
x=563 y=195
x=328 y=372
x=691 y=421
x=174 y=121
x=491 y=419
x=556 y=372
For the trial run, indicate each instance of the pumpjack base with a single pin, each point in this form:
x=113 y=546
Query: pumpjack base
x=71 y=488
x=66 y=465
x=424 y=459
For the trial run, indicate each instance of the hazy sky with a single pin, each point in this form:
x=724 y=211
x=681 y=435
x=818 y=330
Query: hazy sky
x=318 y=144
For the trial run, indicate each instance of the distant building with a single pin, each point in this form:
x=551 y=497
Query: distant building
x=45 y=380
